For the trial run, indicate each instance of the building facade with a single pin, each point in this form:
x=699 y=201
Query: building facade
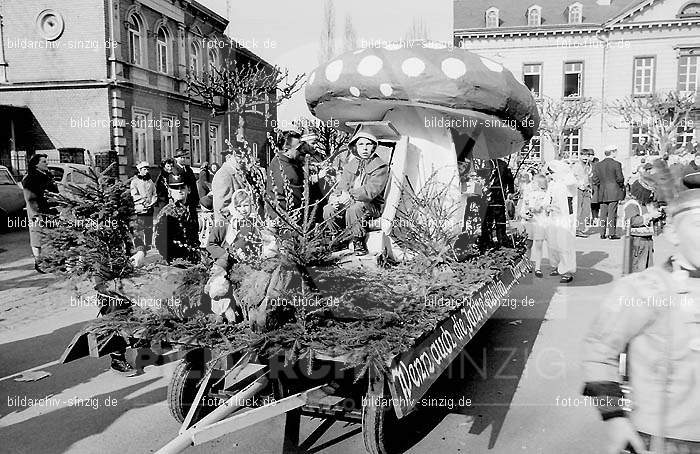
x=110 y=75
x=601 y=49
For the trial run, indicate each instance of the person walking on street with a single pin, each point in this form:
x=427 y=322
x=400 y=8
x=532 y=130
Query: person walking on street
x=657 y=313
x=143 y=191
x=583 y=172
x=559 y=232
x=35 y=185
x=607 y=175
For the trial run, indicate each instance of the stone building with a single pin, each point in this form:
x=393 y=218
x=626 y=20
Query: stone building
x=602 y=49
x=107 y=75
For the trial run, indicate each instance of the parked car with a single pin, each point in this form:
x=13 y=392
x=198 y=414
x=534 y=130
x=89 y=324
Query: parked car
x=11 y=199
x=70 y=174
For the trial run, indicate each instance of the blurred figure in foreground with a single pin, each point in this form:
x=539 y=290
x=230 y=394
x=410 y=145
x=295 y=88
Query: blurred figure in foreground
x=656 y=312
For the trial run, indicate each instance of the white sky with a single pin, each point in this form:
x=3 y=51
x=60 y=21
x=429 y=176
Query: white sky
x=287 y=33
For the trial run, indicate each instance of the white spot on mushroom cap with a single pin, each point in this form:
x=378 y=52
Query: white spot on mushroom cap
x=359 y=51
x=386 y=89
x=333 y=70
x=393 y=46
x=370 y=65
x=453 y=68
x=492 y=65
x=413 y=66
x=354 y=91
x=312 y=77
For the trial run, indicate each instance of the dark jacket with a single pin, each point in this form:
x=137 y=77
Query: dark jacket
x=374 y=173
x=191 y=182
x=162 y=188
x=607 y=176
x=35 y=185
x=176 y=233
x=284 y=174
x=204 y=182
x=224 y=254
x=499 y=182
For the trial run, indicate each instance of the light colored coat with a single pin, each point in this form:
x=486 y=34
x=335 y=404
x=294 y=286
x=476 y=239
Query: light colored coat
x=226 y=181
x=144 y=194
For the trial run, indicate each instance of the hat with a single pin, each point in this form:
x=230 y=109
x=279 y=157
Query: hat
x=181 y=153
x=687 y=200
x=363 y=134
x=610 y=148
x=142 y=164
x=176 y=180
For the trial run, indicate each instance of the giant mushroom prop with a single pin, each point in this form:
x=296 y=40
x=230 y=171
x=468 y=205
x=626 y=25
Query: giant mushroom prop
x=434 y=97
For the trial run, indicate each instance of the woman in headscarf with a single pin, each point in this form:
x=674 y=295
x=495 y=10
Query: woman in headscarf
x=640 y=213
x=166 y=168
x=204 y=180
x=36 y=184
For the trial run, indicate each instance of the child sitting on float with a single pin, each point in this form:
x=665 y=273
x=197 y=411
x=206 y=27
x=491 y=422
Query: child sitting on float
x=230 y=242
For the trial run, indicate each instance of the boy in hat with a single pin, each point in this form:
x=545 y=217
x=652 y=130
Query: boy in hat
x=656 y=312
x=360 y=190
x=176 y=229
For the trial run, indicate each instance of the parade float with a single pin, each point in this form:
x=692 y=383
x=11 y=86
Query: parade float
x=357 y=341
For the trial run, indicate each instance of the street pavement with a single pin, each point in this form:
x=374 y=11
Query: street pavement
x=521 y=373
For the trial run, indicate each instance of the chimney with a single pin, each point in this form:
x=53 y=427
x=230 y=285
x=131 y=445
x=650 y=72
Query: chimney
x=604 y=2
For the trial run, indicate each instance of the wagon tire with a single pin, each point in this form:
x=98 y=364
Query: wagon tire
x=377 y=424
x=182 y=390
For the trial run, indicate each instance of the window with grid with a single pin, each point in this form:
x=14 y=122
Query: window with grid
x=573 y=79
x=213 y=61
x=195 y=65
x=167 y=136
x=134 y=40
x=162 y=51
x=143 y=148
x=575 y=13
x=643 y=75
x=214 y=143
x=196 y=142
x=641 y=141
x=572 y=143
x=534 y=16
x=532 y=78
x=688 y=72
x=685 y=134
x=492 y=18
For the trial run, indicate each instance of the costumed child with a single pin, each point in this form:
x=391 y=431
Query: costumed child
x=535 y=203
x=230 y=241
x=641 y=211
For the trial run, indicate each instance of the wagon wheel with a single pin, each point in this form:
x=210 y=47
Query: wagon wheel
x=379 y=419
x=182 y=390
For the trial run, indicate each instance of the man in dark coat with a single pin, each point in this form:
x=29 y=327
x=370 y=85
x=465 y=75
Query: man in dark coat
x=610 y=182
x=360 y=190
x=36 y=184
x=499 y=185
x=176 y=231
x=190 y=179
x=285 y=177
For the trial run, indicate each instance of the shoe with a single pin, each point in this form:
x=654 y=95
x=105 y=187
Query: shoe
x=566 y=278
x=613 y=237
x=538 y=273
x=120 y=366
x=554 y=273
x=37 y=269
x=602 y=237
x=359 y=246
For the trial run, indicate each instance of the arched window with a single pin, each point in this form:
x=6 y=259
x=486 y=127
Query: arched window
x=136 y=31
x=534 y=16
x=163 y=50
x=575 y=13
x=213 y=61
x=690 y=10
x=195 y=58
x=492 y=18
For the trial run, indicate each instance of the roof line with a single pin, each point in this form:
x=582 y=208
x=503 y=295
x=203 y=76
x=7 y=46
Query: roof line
x=628 y=12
